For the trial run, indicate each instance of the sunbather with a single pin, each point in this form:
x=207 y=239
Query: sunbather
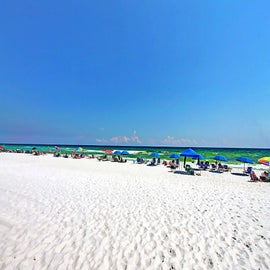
x=140 y=160
x=264 y=177
x=56 y=154
x=214 y=166
x=253 y=176
x=173 y=165
x=103 y=158
x=220 y=167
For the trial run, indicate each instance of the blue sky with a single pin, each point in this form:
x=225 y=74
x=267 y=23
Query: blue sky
x=176 y=73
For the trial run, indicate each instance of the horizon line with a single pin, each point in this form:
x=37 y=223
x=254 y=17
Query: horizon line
x=136 y=146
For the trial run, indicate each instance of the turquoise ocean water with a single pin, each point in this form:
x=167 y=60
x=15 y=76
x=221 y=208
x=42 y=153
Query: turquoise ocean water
x=145 y=151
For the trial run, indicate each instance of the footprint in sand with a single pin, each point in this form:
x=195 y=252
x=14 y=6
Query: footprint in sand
x=172 y=252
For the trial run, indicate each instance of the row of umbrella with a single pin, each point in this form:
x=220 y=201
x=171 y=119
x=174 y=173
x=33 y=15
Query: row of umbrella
x=77 y=149
x=107 y=151
x=186 y=153
x=118 y=152
x=194 y=155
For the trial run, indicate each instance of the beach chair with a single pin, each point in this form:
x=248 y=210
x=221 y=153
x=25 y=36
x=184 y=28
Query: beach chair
x=140 y=160
x=213 y=166
x=220 y=168
x=203 y=166
x=153 y=162
x=248 y=170
x=226 y=168
x=189 y=170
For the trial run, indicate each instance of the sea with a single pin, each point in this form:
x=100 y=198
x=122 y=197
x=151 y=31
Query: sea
x=145 y=151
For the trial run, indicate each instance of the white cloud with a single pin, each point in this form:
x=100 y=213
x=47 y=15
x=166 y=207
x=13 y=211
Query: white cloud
x=125 y=139
x=169 y=140
x=101 y=140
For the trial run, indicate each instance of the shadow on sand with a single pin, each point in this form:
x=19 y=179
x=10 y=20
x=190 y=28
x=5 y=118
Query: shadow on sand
x=215 y=171
x=239 y=174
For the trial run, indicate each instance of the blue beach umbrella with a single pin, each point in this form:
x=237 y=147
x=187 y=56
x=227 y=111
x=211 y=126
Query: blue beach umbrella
x=200 y=157
x=117 y=152
x=220 y=158
x=175 y=155
x=155 y=154
x=124 y=153
x=189 y=153
x=245 y=160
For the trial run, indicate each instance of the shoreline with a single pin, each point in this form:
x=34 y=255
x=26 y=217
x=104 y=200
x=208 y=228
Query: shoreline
x=87 y=214
x=137 y=146
x=133 y=156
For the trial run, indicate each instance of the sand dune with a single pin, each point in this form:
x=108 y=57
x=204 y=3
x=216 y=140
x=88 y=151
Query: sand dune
x=84 y=214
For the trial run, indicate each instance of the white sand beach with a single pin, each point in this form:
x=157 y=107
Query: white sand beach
x=61 y=213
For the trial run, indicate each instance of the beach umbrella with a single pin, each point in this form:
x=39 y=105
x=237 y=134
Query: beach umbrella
x=117 y=152
x=265 y=161
x=200 y=157
x=155 y=154
x=1 y=147
x=175 y=155
x=79 y=149
x=107 y=151
x=57 y=149
x=244 y=160
x=220 y=158
x=124 y=153
x=189 y=153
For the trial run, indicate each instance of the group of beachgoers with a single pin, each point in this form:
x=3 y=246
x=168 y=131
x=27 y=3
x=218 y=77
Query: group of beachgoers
x=172 y=164
x=264 y=177
x=116 y=158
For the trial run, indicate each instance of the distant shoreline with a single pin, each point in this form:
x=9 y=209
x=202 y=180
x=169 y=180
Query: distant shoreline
x=138 y=146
